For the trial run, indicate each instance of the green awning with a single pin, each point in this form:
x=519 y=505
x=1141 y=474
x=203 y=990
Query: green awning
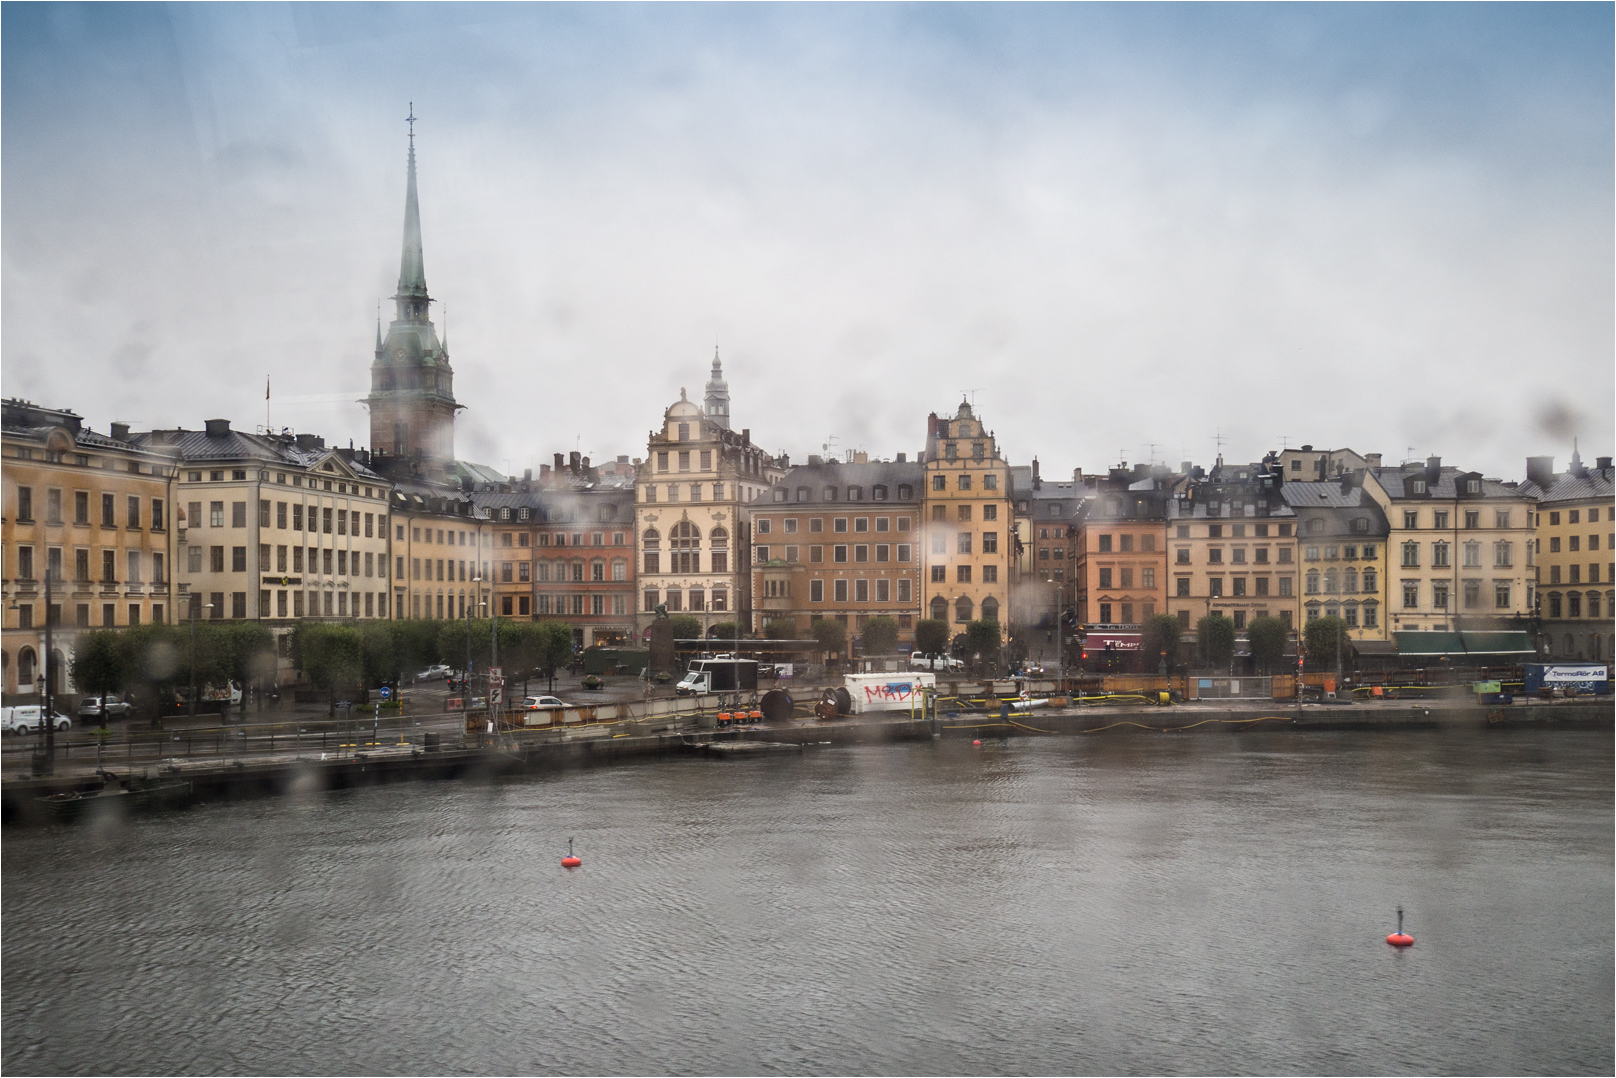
x=1498 y=643
x=1429 y=644
x=1463 y=644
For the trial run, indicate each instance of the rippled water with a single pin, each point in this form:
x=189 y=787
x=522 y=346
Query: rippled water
x=1107 y=904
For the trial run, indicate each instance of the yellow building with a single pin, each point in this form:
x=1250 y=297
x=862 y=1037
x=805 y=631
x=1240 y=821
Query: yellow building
x=442 y=551
x=1341 y=555
x=96 y=513
x=1575 y=543
x=1460 y=550
x=967 y=551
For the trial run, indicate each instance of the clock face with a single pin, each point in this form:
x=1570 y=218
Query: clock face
x=400 y=354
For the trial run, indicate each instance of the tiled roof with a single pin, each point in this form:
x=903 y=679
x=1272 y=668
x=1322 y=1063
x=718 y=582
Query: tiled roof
x=1569 y=488
x=1445 y=485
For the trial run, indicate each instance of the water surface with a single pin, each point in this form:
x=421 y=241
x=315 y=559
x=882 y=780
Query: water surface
x=1116 y=904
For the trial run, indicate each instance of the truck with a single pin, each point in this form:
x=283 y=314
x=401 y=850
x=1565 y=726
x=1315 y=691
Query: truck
x=718 y=675
x=888 y=692
x=212 y=698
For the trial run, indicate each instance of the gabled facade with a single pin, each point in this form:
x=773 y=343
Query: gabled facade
x=968 y=549
x=692 y=531
x=1342 y=543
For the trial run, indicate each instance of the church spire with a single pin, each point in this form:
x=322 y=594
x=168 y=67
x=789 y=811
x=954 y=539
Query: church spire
x=412 y=267
x=717 y=397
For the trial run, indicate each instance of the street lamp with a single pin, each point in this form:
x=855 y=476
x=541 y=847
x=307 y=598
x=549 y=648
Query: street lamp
x=194 y=620
x=45 y=763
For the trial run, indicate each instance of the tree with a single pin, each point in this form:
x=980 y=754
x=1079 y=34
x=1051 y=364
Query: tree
x=1160 y=638
x=521 y=649
x=102 y=664
x=331 y=656
x=780 y=629
x=831 y=634
x=880 y=636
x=415 y=644
x=1267 y=635
x=1216 y=640
x=157 y=656
x=931 y=636
x=1322 y=636
x=685 y=627
x=982 y=640
x=554 y=648
x=724 y=630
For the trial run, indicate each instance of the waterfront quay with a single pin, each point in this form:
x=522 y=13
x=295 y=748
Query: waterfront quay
x=429 y=740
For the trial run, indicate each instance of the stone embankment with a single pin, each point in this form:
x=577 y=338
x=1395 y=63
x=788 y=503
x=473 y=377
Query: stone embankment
x=253 y=771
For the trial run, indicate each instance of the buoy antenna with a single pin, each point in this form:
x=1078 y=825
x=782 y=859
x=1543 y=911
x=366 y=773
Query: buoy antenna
x=1399 y=915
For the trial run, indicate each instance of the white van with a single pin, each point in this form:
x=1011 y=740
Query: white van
x=920 y=661
x=26 y=720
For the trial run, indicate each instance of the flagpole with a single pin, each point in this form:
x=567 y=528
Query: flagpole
x=268 y=427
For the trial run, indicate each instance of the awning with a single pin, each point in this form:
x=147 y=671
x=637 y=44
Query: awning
x=1374 y=647
x=1498 y=643
x=1463 y=644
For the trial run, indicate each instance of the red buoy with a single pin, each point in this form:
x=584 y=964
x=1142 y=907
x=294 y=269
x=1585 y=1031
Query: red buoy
x=976 y=742
x=1400 y=938
x=571 y=861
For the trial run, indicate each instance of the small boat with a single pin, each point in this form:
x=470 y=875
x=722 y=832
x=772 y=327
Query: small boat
x=135 y=794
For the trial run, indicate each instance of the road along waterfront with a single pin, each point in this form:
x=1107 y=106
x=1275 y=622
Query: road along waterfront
x=1127 y=903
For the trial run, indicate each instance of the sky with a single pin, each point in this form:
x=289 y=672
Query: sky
x=1127 y=233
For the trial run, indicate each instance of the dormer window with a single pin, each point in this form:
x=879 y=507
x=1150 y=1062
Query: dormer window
x=1472 y=486
x=855 y=494
x=1417 y=486
x=830 y=494
x=803 y=494
x=905 y=492
x=684 y=432
x=779 y=494
x=878 y=493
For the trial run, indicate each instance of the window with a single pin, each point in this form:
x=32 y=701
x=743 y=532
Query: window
x=861 y=590
x=1501 y=596
x=963 y=543
x=1105 y=579
x=215 y=514
x=990 y=574
x=904 y=553
x=1105 y=544
x=1503 y=552
x=216 y=559
x=1214 y=556
x=939 y=574
x=1472 y=554
x=990 y=543
x=1472 y=594
x=1217 y=587
x=651 y=540
x=1411 y=555
x=816 y=591
x=1411 y=519
x=962 y=574
x=861 y=552
x=238 y=514
x=905 y=590
x=1311 y=583
x=1411 y=595
x=839 y=552
x=1439 y=595
x=1439 y=555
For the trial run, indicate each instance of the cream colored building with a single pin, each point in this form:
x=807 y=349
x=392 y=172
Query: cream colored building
x=691 y=511
x=275 y=528
x=93 y=510
x=968 y=542
x=1459 y=548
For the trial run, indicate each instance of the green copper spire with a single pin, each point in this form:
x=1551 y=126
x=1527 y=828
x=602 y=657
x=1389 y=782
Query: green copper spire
x=412 y=268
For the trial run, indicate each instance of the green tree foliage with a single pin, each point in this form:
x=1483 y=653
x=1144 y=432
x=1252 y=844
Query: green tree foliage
x=415 y=644
x=931 y=636
x=685 y=627
x=780 y=629
x=880 y=636
x=982 y=640
x=1267 y=635
x=554 y=648
x=831 y=634
x=331 y=655
x=1216 y=640
x=103 y=664
x=1160 y=640
x=1321 y=636
x=724 y=630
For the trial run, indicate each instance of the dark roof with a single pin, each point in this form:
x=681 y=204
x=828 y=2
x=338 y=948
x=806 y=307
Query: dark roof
x=867 y=476
x=1569 y=487
x=1444 y=484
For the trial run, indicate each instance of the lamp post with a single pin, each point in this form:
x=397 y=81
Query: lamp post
x=46 y=763
x=208 y=606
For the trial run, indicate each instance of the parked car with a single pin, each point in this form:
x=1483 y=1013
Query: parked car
x=26 y=720
x=433 y=673
x=115 y=707
x=541 y=703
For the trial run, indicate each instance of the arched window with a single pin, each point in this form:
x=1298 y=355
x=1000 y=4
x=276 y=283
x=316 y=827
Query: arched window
x=652 y=542
x=684 y=546
x=990 y=609
x=939 y=608
x=962 y=608
x=718 y=538
x=26 y=660
x=1332 y=582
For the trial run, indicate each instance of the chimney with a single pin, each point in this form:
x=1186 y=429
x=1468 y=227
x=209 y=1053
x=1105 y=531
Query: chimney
x=120 y=432
x=218 y=428
x=586 y=464
x=544 y=473
x=1540 y=470
x=305 y=442
x=1184 y=467
x=861 y=457
x=1433 y=464
x=813 y=460
x=622 y=459
x=1372 y=459
x=746 y=435
x=1037 y=480
x=1604 y=463
x=903 y=458
x=572 y=462
x=560 y=463
x=527 y=475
